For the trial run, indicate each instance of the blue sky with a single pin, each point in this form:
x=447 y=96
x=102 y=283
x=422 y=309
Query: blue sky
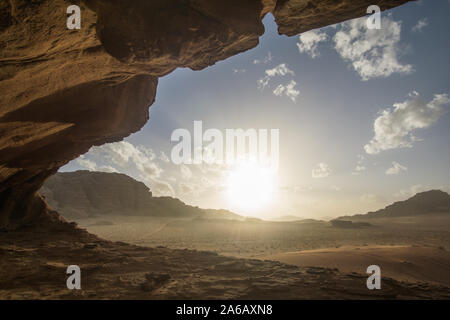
x=325 y=121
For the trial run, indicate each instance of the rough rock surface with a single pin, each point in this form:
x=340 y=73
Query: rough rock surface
x=297 y=16
x=63 y=91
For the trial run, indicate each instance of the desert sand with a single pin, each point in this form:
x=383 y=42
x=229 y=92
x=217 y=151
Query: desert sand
x=406 y=263
x=33 y=266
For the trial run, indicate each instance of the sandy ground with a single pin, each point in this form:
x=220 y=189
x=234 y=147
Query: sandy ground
x=406 y=263
x=33 y=266
x=261 y=239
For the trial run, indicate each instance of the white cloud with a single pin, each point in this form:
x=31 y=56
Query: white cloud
x=321 y=171
x=162 y=188
x=280 y=70
x=396 y=168
x=309 y=42
x=86 y=163
x=93 y=166
x=422 y=23
x=163 y=157
x=150 y=170
x=287 y=90
x=186 y=188
x=126 y=155
x=266 y=59
x=186 y=173
x=373 y=53
x=394 y=126
x=360 y=167
x=237 y=71
x=263 y=82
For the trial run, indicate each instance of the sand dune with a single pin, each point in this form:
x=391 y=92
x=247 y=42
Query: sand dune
x=406 y=263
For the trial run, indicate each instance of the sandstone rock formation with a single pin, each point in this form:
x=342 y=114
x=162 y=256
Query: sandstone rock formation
x=63 y=91
x=83 y=194
x=423 y=203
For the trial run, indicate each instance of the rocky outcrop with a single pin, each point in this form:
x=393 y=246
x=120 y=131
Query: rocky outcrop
x=297 y=16
x=83 y=194
x=421 y=204
x=63 y=91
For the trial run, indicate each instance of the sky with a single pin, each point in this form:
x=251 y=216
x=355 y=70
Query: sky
x=362 y=117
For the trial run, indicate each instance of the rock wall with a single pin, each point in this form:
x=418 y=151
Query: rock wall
x=63 y=91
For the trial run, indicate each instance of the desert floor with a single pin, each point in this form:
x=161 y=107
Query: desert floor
x=148 y=258
x=260 y=238
x=406 y=263
x=414 y=249
x=33 y=266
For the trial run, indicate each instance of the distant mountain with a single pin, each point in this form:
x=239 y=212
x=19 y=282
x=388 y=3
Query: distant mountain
x=286 y=218
x=83 y=194
x=293 y=218
x=429 y=202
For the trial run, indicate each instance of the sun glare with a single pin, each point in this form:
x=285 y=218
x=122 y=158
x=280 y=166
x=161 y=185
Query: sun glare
x=250 y=186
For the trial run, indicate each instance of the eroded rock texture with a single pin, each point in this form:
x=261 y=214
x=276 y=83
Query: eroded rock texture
x=297 y=16
x=63 y=91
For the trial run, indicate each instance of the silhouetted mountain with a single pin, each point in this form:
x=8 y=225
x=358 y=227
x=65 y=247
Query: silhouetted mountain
x=86 y=194
x=286 y=218
x=429 y=202
x=296 y=219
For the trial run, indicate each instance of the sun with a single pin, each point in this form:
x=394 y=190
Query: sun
x=250 y=186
